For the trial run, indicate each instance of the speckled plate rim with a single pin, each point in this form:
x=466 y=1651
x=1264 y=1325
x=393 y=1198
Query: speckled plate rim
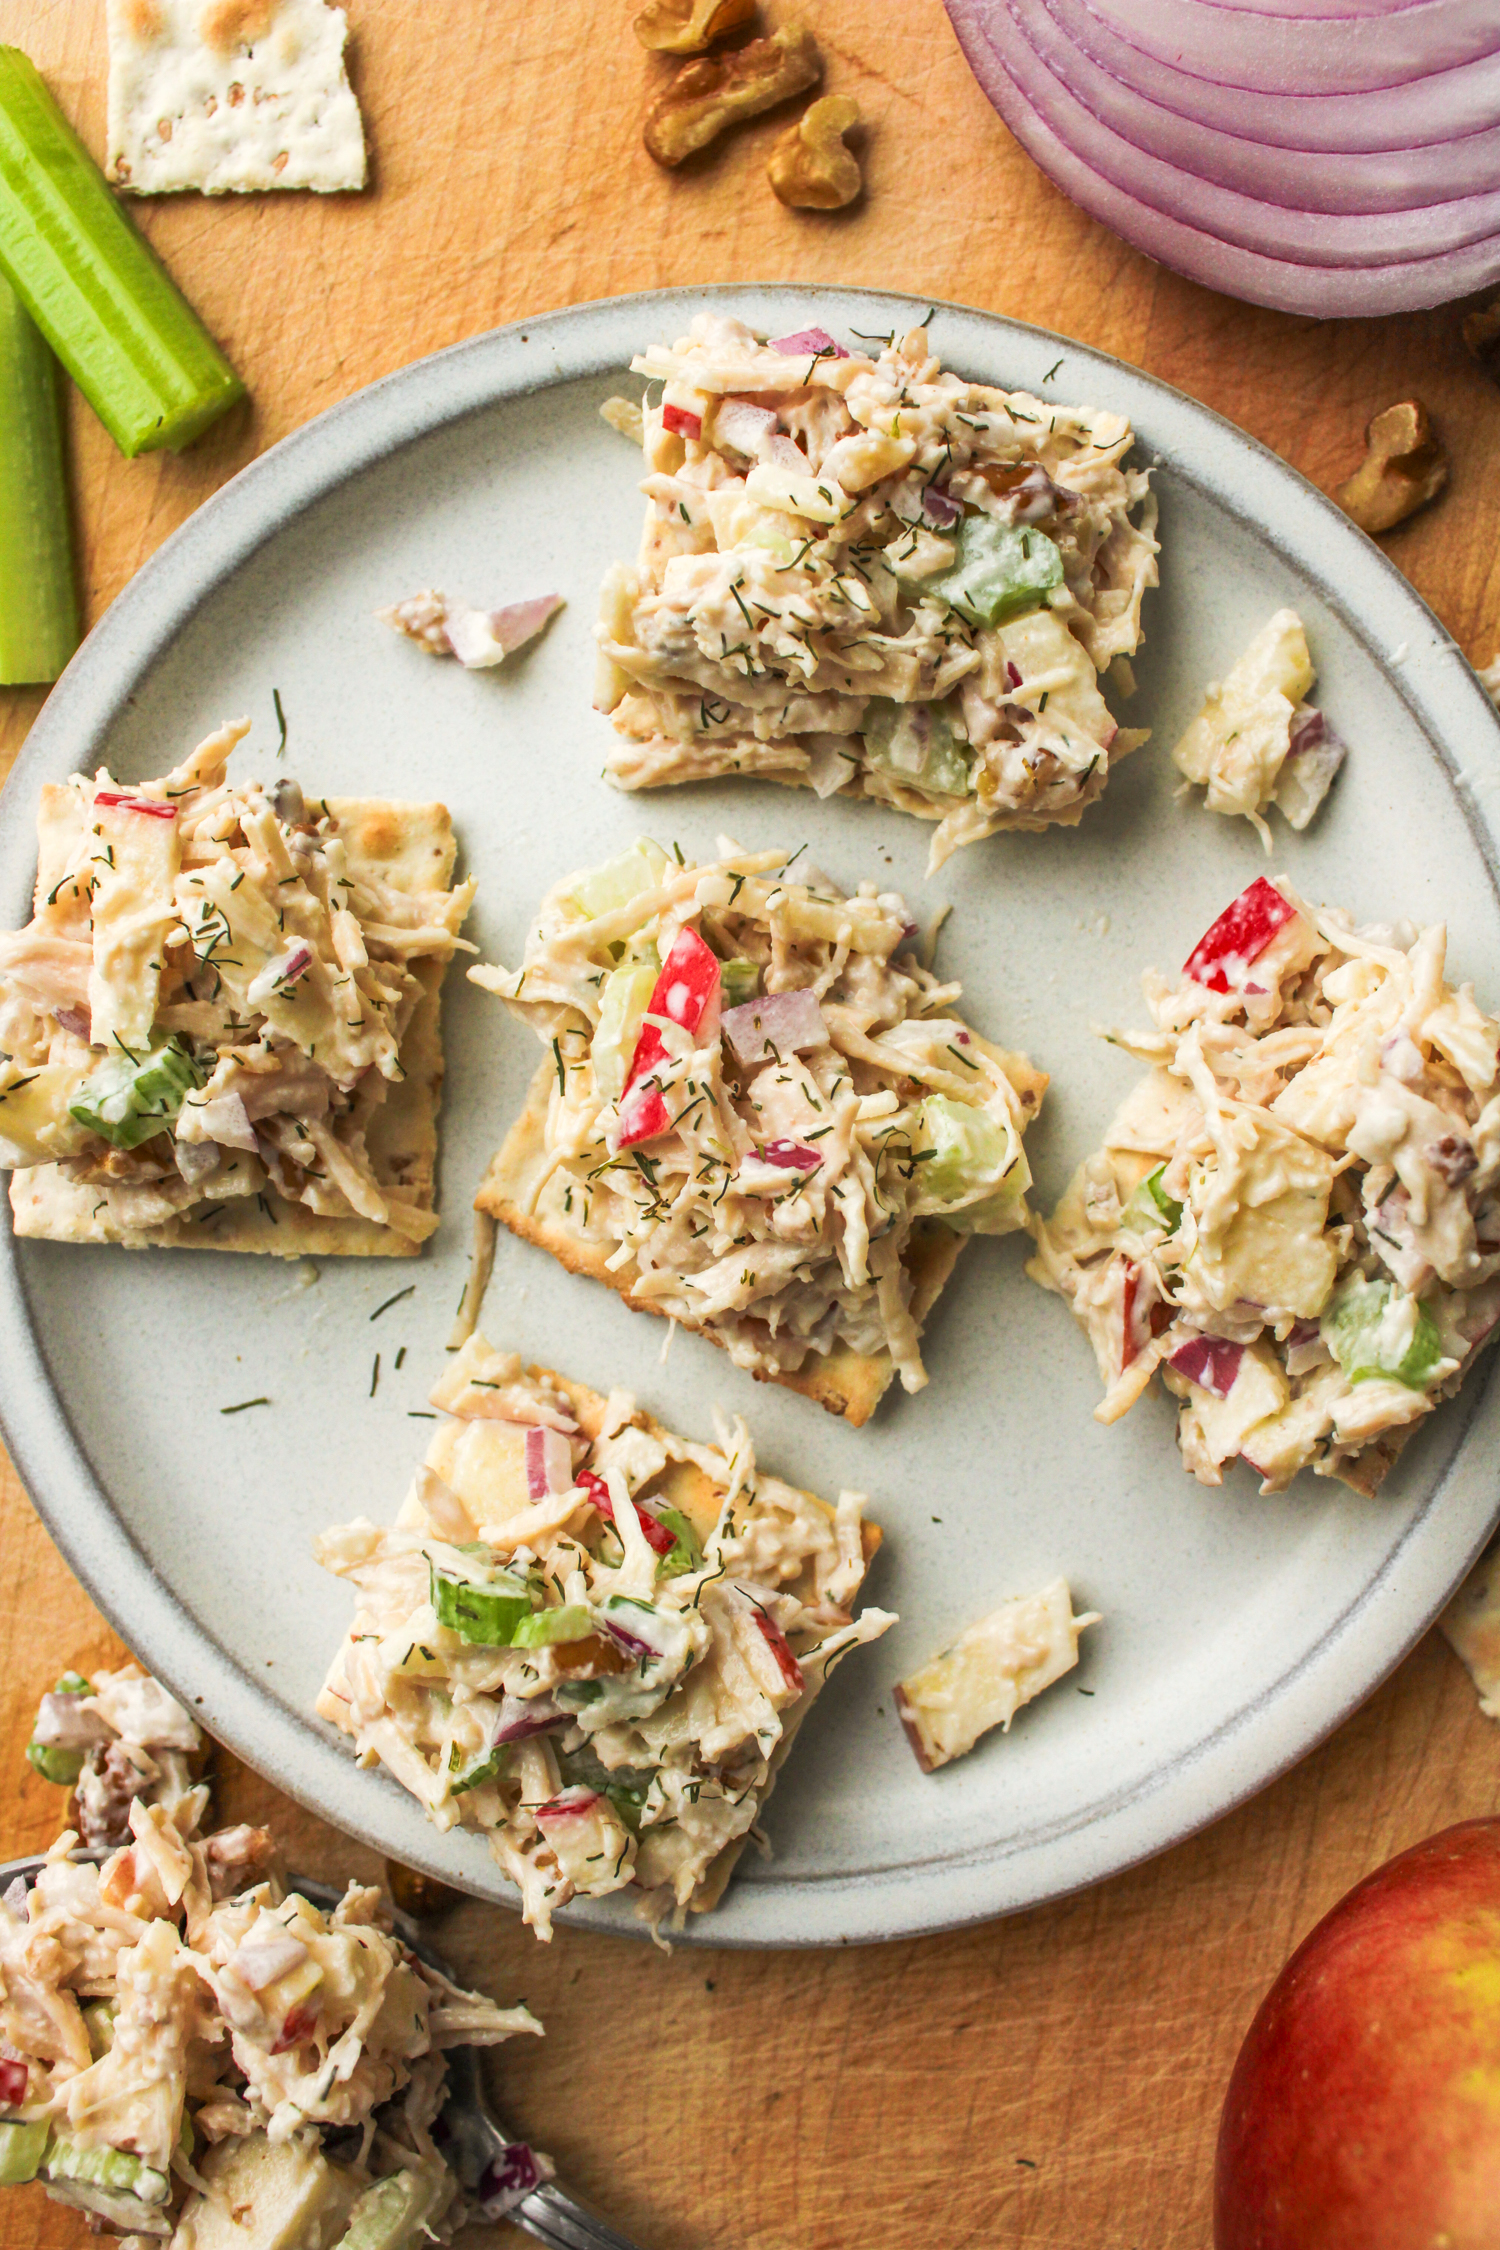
x=1275 y=1728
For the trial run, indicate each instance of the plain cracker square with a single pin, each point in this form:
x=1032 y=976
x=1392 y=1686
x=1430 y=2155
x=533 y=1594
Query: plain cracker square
x=228 y=96
x=412 y=847
x=526 y=1195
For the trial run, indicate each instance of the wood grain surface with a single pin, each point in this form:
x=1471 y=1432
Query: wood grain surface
x=1050 y=2082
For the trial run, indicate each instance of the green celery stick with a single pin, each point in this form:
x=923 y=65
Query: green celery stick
x=112 y=314
x=38 y=603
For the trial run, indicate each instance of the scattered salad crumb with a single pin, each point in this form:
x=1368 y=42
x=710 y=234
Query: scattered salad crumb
x=479 y=638
x=219 y=1030
x=590 y=1639
x=187 y=2049
x=1471 y=1627
x=1257 y=741
x=1296 y=1215
x=862 y=574
x=989 y=1672
x=231 y=96
x=758 y=1115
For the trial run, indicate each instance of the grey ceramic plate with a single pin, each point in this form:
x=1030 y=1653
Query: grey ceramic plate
x=1238 y=1630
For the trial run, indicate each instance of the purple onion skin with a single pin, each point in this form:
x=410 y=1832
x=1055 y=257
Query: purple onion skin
x=536 y=1718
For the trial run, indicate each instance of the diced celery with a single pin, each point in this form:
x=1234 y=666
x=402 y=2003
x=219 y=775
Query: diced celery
x=622 y=1010
x=123 y=2190
x=393 y=2214
x=73 y=1683
x=570 y=1621
x=23 y=2144
x=973 y=1151
x=1375 y=1329
x=915 y=743
x=486 y=1613
x=129 y=1097
x=99 y=2023
x=1000 y=569
x=483 y=1769
x=740 y=981
x=601 y=890
x=38 y=599
x=1151 y=1206
x=115 y=319
x=54 y=1764
x=686 y=1553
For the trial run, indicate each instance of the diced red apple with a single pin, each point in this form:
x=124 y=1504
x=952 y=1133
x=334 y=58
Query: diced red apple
x=1222 y=958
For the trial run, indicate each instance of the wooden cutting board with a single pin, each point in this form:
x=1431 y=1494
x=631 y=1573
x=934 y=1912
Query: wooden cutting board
x=1047 y=2083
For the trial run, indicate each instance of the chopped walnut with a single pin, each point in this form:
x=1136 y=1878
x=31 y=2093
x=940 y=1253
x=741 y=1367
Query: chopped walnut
x=688 y=27
x=708 y=96
x=810 y=168
x=1403 y=469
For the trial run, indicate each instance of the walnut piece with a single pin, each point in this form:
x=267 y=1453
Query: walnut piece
x=708 y=96
x=688 y=27
x=810 y=168
x=1403 y=469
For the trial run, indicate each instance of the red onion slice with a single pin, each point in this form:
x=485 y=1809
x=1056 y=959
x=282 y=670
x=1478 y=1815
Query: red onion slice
x=742 y=427
x=260 y=1961
x=1159 y=209
x=549 y=1462
x=521 y=1716
x=510 y=2179
x=568 y=1804
x=787 y=1022
x=1449 y=106
x=1276 y=50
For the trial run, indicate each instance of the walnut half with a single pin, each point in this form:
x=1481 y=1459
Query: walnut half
x=708 y=96
x=688 y=27
x=1405 y=467
x=810 y=168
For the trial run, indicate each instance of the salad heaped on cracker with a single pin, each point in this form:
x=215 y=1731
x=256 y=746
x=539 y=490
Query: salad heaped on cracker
x=862 y=574
x=189 y=2050
x=758 y=1114
x=590 y=1639
x=1295 y=1216
x=219 y=1030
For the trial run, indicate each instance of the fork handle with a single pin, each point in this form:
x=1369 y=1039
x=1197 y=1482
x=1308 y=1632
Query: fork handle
x=554 y=2218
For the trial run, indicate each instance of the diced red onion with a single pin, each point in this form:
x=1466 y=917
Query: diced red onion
x=630 y=1642
x=514 y=2175
x=119 y=800
x=788 y=1022
x=785 y=453
x=743 y=427
x=480 y=638
x=780 y=1647
x=76 y=1020
x=656 y=1535
x=277 y=974
x=260 y=1961
x=815 y=340
x=1212 y=1362
x=1012 y=673
x=568 y=1804
x=1157 y=122
x=789 y=1156
x=63 y=1724
x=1221 y=959
x=940 y=507
x=549 y=1462
x=14 y=2077
x=680 y=422
x=1318 y=754
x=520 y=1716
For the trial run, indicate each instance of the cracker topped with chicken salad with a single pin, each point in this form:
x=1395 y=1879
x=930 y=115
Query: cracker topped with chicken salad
x=1295 y=1216
x=758 y=1115
x=219 y=1030
x=862 y=574
x=589 y=1639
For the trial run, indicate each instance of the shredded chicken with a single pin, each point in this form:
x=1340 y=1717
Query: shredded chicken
x=550 y=1649
x=1296 y=1216
x=862 y=573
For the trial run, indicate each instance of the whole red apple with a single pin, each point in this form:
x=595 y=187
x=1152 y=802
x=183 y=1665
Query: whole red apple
x=1364 y=2109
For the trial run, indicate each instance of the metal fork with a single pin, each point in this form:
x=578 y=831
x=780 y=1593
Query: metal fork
x=479 y=2145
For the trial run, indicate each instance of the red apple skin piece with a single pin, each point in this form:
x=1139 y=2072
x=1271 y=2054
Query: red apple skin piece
x=1364 y=2110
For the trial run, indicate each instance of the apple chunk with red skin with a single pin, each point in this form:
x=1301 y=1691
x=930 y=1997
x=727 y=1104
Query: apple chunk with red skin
x=1364 y=2109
